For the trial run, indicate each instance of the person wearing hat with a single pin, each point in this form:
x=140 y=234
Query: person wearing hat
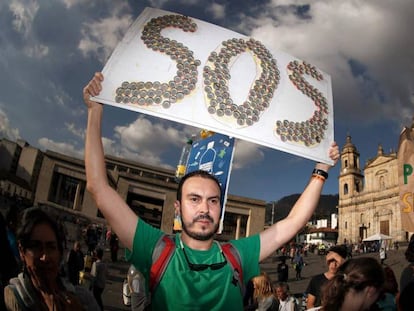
x=335 y=257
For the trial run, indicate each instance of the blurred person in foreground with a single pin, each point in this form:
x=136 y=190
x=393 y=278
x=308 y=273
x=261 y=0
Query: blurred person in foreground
x=388 y=298
x=407 y=275
x=406 y=301
x=197 y=265
x=334 y=258
x=8 y=267
x=39 y=286
x=356 y=286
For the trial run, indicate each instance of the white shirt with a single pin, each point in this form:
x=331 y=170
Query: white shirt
x=288 y=304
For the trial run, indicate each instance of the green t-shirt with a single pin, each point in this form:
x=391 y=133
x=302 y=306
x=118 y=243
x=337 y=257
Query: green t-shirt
x=183 y=289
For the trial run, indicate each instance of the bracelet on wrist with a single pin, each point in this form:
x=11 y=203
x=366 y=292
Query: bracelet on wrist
x=321 y=173
x=318 y=177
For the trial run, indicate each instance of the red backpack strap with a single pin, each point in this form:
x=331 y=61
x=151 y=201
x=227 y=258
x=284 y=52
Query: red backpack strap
x=163 y=251
x=233 y=256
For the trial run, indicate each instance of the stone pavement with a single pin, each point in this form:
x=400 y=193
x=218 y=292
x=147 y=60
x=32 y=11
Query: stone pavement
x=315 y=264
x=112 y=295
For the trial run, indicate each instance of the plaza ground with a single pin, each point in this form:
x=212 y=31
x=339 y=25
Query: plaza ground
x=315 y=264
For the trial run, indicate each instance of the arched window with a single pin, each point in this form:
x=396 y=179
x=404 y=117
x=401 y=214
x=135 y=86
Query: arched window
x=345 y=188
x=382 y=183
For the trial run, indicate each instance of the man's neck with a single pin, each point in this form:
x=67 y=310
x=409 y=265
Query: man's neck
x=196 y=244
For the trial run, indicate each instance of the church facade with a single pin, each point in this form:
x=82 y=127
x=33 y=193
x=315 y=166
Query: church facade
x=369 y=197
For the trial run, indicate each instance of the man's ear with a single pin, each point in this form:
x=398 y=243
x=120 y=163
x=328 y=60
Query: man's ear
x=177 y=207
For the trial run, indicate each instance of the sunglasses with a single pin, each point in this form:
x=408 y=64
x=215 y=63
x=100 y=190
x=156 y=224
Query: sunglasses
x=202 y=267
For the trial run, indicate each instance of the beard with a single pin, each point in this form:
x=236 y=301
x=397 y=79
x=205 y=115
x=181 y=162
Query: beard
x=203 y=235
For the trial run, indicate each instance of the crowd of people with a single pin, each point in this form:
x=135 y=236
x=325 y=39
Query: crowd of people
x=35 y=279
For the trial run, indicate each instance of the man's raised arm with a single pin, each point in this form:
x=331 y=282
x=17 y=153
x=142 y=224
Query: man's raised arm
x=284 y=230
x=121 y=218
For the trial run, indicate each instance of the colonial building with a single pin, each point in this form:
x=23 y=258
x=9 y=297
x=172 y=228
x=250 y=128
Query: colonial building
x=368 y=198
x=58 y=181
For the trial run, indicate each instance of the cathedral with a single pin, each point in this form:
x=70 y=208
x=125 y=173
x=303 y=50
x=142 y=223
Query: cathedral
x=369 y=198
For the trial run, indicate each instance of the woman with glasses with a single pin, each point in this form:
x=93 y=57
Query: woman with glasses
x=39 y=286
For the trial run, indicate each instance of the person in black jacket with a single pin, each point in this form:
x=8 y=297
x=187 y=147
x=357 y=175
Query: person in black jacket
x=282 y=271
x=75 y=263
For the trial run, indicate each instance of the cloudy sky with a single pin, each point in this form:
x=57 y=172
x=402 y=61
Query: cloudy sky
x=50 y=49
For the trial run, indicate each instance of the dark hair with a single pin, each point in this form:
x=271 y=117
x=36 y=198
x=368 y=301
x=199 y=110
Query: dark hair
x=405 y=301
x=283 y=285
x=391 y=284
x=99 y=253
x=409 y=253
x=198 y=173
x=356 y=274
x=341 y=250
x=32 y=217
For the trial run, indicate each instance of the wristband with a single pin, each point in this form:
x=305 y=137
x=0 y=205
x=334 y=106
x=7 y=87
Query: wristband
x=319 y=172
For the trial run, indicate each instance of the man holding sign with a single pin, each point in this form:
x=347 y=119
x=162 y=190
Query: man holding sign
x=198 y=275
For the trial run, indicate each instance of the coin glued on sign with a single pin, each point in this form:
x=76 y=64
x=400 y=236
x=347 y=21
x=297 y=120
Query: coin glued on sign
x=188 y=71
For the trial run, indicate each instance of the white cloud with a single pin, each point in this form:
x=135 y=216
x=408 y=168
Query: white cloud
x=58 y=97
x=247 y=154
x=119 y=147
x=150 y=139
x=36 y=51
x=24 y=12
x=218 y=10
x=157 y=3
x=78 y=132
x=6 y=130
x=71 y=3
x=64 y=148
x=100 y=37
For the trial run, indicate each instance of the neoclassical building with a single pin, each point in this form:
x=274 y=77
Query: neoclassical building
x=368 y=198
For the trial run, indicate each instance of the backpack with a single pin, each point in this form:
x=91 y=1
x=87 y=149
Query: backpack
x=164 y=249
x=26 y=296
x=126 y=293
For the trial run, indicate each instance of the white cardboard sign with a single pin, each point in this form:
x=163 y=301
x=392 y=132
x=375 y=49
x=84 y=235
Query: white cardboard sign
x=185 y=70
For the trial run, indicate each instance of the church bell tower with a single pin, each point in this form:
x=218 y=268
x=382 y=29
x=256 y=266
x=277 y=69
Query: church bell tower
x=350 y=177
